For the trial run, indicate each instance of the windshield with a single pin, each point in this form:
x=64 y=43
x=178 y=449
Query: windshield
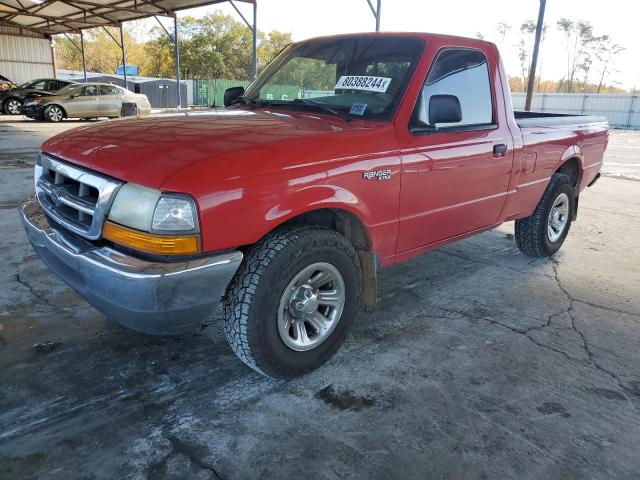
x=364 y=76
x=68 y=90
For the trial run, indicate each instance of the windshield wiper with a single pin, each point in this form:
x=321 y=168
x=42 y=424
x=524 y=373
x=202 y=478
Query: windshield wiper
x=305 y=101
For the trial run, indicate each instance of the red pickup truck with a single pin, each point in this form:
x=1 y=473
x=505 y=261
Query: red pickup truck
x=285 y=208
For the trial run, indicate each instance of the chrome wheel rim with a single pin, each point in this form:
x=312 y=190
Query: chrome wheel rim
x=311 y=306
x=558 y=217
x=55 y=114
x=14 y=107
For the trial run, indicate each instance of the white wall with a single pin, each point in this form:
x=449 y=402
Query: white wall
x=23 y=59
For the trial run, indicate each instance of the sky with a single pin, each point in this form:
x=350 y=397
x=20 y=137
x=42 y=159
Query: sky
x=620 y=19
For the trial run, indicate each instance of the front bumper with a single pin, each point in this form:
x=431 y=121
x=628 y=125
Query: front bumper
x=152 y=297
x=33 y=111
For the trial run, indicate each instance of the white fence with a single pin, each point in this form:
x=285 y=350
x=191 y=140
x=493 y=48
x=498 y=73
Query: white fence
x=621 y=109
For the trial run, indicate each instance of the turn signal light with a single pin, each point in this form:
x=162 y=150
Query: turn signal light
x=150 y=243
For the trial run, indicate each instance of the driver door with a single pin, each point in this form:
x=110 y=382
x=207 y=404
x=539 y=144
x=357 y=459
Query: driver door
x=455 y=176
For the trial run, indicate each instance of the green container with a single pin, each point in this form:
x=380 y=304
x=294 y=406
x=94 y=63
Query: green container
x=211 y=91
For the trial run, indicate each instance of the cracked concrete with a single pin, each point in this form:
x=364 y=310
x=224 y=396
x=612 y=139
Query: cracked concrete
x=479 y=363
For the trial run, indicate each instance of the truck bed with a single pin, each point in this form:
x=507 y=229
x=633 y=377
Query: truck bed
x=544 y=119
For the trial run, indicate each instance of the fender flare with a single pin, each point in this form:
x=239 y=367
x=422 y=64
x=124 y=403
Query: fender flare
x=570 y=152
x=312 y=198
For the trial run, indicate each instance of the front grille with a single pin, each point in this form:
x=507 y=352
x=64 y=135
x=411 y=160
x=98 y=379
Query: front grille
x=75 y=198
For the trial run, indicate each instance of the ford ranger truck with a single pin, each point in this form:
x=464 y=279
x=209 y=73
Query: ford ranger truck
x=284 y=206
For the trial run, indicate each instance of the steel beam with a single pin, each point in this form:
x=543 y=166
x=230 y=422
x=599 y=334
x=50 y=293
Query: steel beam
x=84 y=58
x=254 y=31
x=81 y=49
x=124 y=58
x=254 y=66
x=376 y=12
x=177 y=54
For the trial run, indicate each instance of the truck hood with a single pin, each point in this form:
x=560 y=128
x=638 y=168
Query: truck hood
x=150 y=150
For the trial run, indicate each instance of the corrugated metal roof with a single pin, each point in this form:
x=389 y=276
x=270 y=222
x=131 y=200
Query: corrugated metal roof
x=48 y=17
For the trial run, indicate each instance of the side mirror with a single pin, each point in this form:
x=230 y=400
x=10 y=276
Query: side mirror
x=444 y=109
x=74 y=95
x=230 y=94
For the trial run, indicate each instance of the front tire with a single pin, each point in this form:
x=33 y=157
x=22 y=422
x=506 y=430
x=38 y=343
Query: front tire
x=543 y=232
x=53 y=113
x=291 y=304
x=13 y=106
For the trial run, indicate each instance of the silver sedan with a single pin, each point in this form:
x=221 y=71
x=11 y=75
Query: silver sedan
x=86 y=100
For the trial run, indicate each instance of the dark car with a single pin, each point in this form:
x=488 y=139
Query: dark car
x=11 y=100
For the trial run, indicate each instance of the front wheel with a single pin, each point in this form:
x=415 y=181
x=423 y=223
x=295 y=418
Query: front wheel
x=543 y=232
x=53 y=113
x=13 y=106
x=290 y=305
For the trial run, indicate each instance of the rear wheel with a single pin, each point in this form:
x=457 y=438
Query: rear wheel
x=13 y=106
x=293 y=300
x=53 y=113
x=544 y=231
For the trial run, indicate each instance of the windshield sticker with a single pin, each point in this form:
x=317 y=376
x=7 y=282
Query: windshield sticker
x=358 y=108
x=363 y=82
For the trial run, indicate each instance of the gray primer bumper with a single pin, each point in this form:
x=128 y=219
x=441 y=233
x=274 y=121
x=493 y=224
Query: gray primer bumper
x=152 y=297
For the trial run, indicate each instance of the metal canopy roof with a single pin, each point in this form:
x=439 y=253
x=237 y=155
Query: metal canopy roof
x=49 y=17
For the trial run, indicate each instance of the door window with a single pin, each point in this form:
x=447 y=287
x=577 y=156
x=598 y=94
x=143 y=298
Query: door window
x=465 y=74
x=109 y=90
x=89 y=91
x=39 y=85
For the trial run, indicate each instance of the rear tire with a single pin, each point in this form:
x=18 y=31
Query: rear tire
x=276 y=279
x=543 y=232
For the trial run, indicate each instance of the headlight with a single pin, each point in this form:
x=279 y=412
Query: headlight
x=29 y=102
x=151 y=221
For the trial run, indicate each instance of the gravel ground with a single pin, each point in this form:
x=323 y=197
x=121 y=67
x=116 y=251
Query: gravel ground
x=479 y=363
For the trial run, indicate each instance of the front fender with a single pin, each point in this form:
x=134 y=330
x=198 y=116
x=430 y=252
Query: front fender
x=237 y=217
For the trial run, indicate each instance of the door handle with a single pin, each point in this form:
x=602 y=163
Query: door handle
x=500 y=150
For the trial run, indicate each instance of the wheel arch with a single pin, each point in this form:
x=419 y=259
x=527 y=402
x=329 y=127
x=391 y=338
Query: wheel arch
x=354 y=229
x=64 y=111
x=6 y=101
x=571 y=164
x=341 y=220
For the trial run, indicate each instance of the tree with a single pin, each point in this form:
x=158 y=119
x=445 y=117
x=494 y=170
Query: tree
x=605 y=56
x=578 y=37
x=503 y=29
x=213 y=46
x=101 y=52
x=527 y=29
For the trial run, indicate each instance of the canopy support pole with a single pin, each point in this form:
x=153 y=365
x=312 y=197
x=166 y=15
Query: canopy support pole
x=84 y=58
x=81 y=49
x=376 y=12
x=124 y=57
x=254 y=30
x=177 y=54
